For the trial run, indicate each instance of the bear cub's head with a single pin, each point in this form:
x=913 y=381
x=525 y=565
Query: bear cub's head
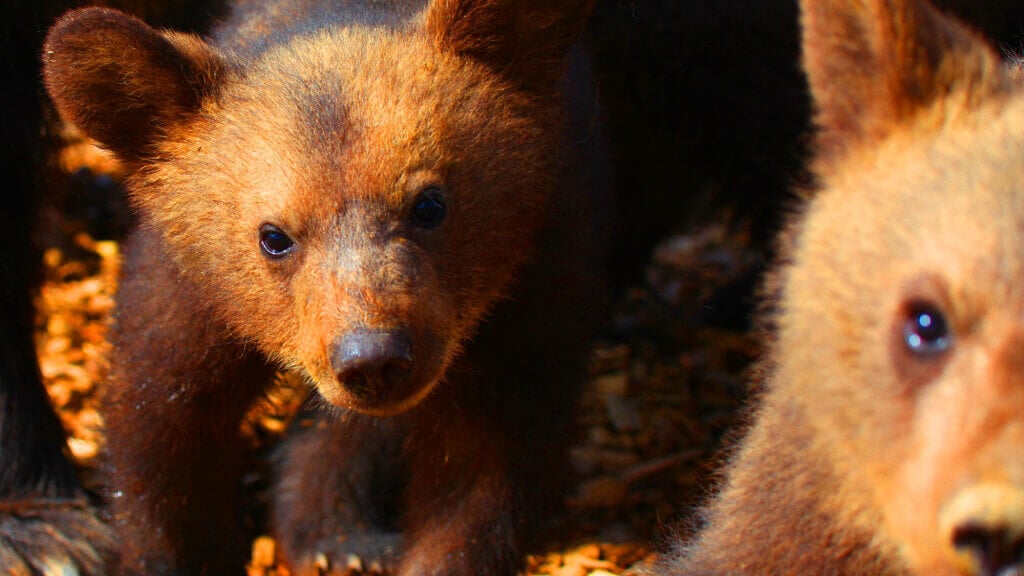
x=350 y=199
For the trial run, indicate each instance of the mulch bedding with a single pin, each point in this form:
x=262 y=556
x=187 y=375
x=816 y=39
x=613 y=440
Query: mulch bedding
x=667 y=380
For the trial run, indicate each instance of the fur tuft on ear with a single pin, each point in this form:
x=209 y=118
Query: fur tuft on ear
x=873 y=64
x=123 y=83
x=525 y=40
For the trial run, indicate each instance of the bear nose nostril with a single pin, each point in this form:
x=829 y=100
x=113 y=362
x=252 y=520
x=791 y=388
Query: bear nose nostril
x=984 y=523
x=370 y=364
x=994 y=550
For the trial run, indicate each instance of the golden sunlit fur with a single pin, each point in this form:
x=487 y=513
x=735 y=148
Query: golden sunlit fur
x=866 y=456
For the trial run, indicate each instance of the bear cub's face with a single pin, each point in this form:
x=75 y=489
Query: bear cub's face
x=370 y=195
x=904 y=339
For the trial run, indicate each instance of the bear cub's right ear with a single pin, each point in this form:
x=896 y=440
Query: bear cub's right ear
x=123 y=83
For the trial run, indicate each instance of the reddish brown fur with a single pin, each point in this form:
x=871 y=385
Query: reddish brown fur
x=328 y=121
x=866 y=457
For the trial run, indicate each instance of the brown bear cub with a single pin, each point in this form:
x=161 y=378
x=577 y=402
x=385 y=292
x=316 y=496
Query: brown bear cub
x=890 y=434
x=389 y=198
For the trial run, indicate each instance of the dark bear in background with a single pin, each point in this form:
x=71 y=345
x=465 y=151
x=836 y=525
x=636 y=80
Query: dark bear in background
x=46 y=523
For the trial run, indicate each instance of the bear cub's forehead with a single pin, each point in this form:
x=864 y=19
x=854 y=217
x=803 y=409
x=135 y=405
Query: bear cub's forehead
x=360 y=70
x=331 y=86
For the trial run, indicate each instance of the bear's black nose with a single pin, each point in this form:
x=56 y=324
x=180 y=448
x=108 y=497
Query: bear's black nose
x=995 y=549
x=985 y=524
x=373 y=365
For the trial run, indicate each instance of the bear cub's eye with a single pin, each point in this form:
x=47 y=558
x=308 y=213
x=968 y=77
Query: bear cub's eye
x=274 y=242
x=925 y=331
x=429 y=208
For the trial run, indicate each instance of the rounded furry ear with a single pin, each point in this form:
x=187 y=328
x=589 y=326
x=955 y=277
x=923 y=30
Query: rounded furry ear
x=524 y=40
x=123 y=83
x=872 y=64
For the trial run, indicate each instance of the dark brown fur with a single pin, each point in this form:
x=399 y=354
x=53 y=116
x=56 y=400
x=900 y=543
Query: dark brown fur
x=328 y=121
x=47 y=523
x=866 y=456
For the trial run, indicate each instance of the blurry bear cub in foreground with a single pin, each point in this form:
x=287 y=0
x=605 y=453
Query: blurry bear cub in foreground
x=377 y=195
x=890 y=434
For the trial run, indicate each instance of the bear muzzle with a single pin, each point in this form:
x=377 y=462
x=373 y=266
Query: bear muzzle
x=985 y=526
x=375 y=368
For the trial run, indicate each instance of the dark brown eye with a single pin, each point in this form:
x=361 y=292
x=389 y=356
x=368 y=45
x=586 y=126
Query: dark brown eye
x=925 y=331
x=274 y=242
x=429 y=208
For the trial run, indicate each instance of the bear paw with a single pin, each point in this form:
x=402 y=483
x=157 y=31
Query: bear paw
x=358 y=555
x=52 y=537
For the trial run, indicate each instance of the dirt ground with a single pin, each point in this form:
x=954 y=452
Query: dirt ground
x=667 y=378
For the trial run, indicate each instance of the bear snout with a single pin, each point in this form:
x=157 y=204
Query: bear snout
x=985 y=526
x=374 y=367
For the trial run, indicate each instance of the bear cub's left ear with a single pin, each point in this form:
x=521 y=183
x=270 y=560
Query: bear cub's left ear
x=124 y=83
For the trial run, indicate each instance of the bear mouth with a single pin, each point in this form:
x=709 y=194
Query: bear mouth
x=371 y=400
